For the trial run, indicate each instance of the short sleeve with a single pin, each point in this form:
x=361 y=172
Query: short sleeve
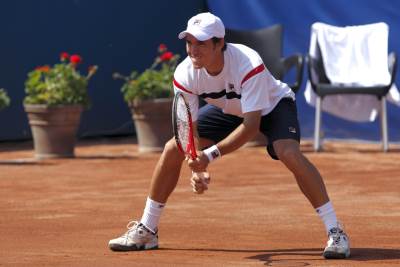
x=256 y=87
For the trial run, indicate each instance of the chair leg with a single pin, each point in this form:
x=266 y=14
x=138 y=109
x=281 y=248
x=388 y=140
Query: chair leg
x=384 y=125
x=317 y=128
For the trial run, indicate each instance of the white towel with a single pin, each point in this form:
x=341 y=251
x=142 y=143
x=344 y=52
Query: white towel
x=353 y=55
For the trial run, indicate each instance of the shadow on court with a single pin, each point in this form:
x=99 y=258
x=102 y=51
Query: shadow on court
x=357 y=254
x=302 y=256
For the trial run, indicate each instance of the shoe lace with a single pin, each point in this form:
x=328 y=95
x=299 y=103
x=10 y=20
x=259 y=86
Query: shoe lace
x=336 y=233
x=131 y=226
x=336 y=237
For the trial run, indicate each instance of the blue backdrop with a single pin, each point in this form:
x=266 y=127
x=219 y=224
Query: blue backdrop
x=123 y=35
x=297 y=17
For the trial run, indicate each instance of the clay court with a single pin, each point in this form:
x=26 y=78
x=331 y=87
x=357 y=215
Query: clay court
x=63 y=212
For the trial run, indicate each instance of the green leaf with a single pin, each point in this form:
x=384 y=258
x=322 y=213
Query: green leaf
x=4 y=99
x=61 y=85
x=155 y=82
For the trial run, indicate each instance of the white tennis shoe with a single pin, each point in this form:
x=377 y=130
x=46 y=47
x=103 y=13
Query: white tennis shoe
x=138 y=237
x=338 y=245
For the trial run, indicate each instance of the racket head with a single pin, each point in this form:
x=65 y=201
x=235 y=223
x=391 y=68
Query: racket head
x=182 y=126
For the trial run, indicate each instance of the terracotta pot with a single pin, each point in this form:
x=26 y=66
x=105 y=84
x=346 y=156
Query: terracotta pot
x=54 y=129
x=153 y=123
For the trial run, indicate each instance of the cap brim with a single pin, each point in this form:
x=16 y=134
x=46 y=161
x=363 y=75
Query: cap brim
x=199 y=35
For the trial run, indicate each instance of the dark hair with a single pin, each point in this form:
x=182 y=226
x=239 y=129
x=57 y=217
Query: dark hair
x=217 y=40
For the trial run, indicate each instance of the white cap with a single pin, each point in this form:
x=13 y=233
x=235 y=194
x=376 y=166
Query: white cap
x=204 y=26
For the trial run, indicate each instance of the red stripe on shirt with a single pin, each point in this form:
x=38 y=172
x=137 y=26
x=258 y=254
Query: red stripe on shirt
x=181 y=87
x=253 y=72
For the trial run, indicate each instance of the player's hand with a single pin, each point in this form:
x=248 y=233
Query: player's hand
x=198 y=164
x=199 y=182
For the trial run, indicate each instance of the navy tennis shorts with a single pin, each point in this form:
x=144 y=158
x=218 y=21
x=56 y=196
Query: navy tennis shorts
x=280 y=123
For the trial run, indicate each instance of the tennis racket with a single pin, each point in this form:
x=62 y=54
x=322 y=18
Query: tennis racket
x=183 y=132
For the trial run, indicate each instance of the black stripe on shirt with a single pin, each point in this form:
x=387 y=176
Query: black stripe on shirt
x=222 y=93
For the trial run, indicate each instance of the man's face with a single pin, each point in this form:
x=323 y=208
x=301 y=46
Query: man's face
x=202 y=53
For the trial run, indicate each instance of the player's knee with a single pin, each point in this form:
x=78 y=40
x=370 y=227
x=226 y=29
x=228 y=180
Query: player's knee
x=288 y=153
x=171 y=147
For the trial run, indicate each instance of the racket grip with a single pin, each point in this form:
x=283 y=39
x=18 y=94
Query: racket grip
x=204 y=177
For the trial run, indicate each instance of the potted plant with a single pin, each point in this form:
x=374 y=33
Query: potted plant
x=4 y=99
x=149 y=96
x=55 y=98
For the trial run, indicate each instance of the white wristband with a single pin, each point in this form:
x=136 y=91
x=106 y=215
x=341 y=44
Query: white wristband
x=212 y=153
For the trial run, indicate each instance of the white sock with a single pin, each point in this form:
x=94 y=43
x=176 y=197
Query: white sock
x=151 y=214
x=328 y=215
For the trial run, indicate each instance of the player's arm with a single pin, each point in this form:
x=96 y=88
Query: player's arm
x=242 y=134
x=254 y=99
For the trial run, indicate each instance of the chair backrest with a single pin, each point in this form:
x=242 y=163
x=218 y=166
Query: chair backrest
x=266 y=41
x=316 y=68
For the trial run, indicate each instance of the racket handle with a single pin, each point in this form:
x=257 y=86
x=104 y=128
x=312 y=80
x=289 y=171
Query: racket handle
x=204 y=178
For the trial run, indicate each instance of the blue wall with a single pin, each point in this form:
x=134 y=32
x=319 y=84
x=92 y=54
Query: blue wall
x=297 y=16
x=119 y=35
x=123 y=35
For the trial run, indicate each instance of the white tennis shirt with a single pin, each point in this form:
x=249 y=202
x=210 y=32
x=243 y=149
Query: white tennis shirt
x=244 y=84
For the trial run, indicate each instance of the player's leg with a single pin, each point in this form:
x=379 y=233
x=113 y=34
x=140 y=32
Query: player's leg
x=307 y=176
x=283 y=133
x=311 y=184
x=143 y=235
x=212 y=127
x=282 y=129
x=166 y=173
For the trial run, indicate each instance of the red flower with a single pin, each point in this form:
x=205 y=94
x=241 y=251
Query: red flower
x=166 y=56
x=75 y=59
x=64 y=56
x=45 y=68
x=162 y=48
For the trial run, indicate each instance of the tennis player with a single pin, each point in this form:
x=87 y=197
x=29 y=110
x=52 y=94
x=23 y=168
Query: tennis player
x=243 y=98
